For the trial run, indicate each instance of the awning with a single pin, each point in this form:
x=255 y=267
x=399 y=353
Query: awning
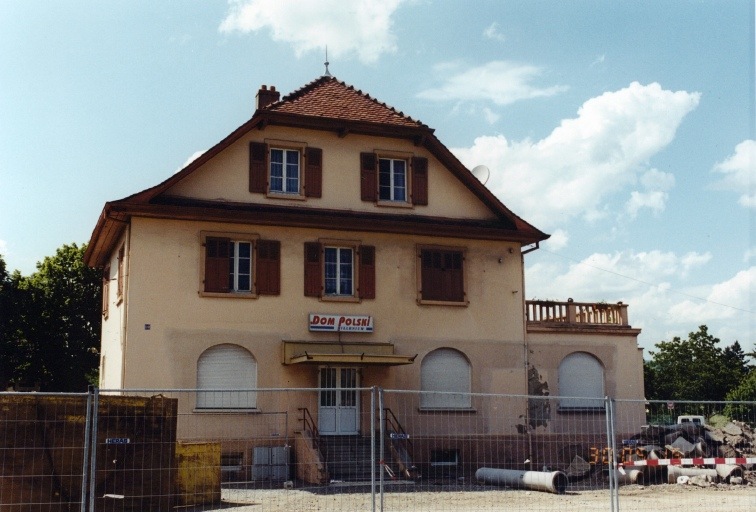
x=353 y=353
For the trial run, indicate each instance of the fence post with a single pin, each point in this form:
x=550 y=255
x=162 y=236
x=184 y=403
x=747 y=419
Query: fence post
x=85 y=461
x=372 y=446
x=609 y=435
x=382 y=434
x=613 y=463
x=93 y=449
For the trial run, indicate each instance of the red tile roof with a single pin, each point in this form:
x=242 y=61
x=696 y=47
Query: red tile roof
x=330 y=98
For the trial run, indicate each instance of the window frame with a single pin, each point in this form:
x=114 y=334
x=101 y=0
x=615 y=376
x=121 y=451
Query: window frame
x=285 y=151
x=569 y=402
x=392 y=187
x=340 y=263
x=106 y=292
x=363 y=270
x=415 y=176
x=236 y=238
x=462 y=251
x=121 y=278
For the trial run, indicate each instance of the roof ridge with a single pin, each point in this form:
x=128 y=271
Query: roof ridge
x=324 y=79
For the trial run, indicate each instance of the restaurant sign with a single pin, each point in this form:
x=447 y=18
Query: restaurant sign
x=340 y=323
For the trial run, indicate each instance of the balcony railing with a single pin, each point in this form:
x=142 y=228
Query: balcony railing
x=570 y=312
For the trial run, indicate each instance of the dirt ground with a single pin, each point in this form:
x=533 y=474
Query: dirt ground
x=674 y=498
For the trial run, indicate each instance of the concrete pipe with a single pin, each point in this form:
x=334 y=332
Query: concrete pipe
x=675 y=471
x=553 y=481
x=727 y=471
x=630 y=476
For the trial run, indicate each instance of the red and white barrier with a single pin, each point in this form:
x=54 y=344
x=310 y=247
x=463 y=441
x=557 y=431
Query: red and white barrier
x=697 y=461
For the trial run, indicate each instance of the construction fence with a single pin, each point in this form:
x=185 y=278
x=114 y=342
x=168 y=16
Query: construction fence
x=370 y=449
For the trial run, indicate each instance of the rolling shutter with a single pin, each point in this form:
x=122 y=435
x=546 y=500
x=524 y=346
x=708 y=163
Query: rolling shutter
x=258 y=167
x=368 y=177
x=367 y=272
x=313 y=184
x=420 y=180
x=313 y=274
x=445 y=370
x=230 y=368
x=581 y=382
x=268 y=275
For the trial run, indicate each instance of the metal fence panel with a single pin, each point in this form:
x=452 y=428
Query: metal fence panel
x=335 y=448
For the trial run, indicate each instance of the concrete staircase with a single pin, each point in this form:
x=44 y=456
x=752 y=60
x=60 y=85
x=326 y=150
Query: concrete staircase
x=348 y=458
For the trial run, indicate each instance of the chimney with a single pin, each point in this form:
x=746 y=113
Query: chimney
x=267 y=96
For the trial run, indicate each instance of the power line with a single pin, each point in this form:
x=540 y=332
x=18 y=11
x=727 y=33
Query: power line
x=671 y=290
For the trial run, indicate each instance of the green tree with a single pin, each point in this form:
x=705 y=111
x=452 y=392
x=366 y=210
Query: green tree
x=745 y=392
x=53 y=330
x=694 y=368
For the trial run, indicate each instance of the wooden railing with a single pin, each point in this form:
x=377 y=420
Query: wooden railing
x=570 y=312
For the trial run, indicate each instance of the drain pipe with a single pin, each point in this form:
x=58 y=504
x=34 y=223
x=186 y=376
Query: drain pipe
x=554 y=481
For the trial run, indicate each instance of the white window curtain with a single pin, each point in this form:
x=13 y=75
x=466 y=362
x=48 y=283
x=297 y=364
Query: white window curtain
x=229 y=370
x=446 y=371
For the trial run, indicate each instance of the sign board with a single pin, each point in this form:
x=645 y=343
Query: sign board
x=340 y=323
x=117 y=440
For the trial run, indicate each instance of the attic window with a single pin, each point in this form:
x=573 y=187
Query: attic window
x=283 y=169
x=393 y=179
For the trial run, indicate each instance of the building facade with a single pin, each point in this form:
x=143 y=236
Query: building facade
x=333 y=242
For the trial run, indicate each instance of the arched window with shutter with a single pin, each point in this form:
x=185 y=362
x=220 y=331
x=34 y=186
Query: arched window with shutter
x=581 y=382
x=228 y=372
x=446 y=373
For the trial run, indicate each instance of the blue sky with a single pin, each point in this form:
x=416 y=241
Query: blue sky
x=623 y=128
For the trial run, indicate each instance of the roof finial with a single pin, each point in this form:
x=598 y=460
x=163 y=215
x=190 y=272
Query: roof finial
x=327 y=73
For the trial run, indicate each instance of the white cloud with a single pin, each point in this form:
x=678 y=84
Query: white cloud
x=739 y=172
x=500 y=82
x=361 y=27
x=490 y=115
x=726 y=300
x=194 y=156
x=749 y=255
x=586 y=160
x=558 y=240
x=492 y=32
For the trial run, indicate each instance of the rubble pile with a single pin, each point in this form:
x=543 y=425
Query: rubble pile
x=689 y=440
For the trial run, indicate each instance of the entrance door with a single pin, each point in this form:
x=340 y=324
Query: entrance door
x=339 y=405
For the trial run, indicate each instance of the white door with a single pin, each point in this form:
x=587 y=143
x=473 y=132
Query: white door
x=339 y=407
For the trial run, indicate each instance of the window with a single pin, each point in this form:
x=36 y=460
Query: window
x=284 y=171
x=228 y=372
x=445 y=380
x=392 y=179
x=339 y=273
x=280 y=171
x=441 y=275
x=106 y=291
x=581 y=383
x=121 y=271
x=235 y=265
x=388 y=180
x=333 y=268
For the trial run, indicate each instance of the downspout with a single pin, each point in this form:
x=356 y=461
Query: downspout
x=525 y=351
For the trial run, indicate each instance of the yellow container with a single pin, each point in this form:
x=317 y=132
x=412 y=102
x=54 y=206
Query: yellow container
x=198 y=473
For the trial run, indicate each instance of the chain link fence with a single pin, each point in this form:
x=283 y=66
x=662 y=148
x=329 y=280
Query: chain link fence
x=334 y=449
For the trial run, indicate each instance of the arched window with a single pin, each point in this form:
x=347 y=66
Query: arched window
x=581 y=382
x=227 y=369
x=446 y=370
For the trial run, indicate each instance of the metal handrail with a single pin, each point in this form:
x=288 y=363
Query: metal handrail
x=308 y=423
x=393 y=426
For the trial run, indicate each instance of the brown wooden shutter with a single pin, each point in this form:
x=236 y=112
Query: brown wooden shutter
x=268 y=274
x=367 y=272
x=313 y=274
x=430 y=279
x=258 y=167
x=419 y=180
x=368 y=176
x=456 y=290
x=217 y=264
x=313 y=184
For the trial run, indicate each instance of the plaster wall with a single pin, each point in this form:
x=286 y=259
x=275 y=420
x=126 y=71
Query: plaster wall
x=226 y=176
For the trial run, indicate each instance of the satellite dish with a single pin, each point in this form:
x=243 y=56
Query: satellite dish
x=482 y=173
